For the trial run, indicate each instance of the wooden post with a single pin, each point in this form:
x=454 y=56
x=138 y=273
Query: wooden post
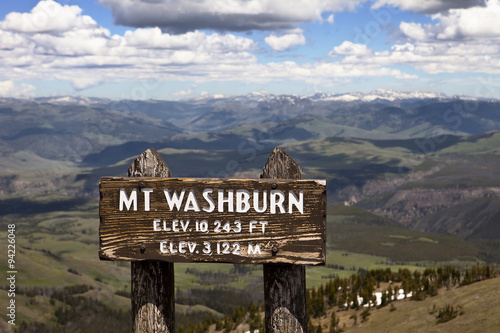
x=153 y=290
x=284 y=284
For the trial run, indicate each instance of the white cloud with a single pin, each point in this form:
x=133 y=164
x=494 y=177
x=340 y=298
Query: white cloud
x=478 y=22
x=48 y=17
x=81 y=81
x=348 y=48
x=85 y=54
x=413 y=30
x=330 y=19
x=10 y=40
x=228 y=15
x=12 y=89
x=153 y=38
x=432 y=58
x=460 y=40
x=458 y=24
x=183 y=93
x=325 y=72
x=285 y=42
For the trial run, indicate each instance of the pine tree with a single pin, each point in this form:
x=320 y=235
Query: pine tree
x=355 y=318
x=334 y=323
x=389 y=294
x=364 y=315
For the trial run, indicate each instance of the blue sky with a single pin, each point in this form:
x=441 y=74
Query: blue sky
x=169 y=49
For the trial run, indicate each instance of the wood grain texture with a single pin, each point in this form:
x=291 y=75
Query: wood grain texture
x=153 y=290
x=284 y=285
x=296 y=236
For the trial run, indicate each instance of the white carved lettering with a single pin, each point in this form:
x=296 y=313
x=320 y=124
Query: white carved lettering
x=172 y=248
x=182 y=247
x=229 y=200
x=239 y=201
x=253 y=249
x=128 y=201
x=174 y=200
x=293 y=201
x=191 y=246
x=175 y=225
x=165 y=226
x=156 y=225
x=147 y=200
x=221 y=248
x=252 y=225
x=163 y=247
x=208 y=198
x=277 y=199
x=184 y=225
x=242 y=201
x=191 y=203
x=256 y=201
x=263 y=224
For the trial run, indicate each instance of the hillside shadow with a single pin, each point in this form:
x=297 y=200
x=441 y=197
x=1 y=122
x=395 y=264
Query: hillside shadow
x=25 y=207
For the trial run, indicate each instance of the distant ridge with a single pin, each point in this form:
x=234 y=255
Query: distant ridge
x=261 y=96
x=379 y=94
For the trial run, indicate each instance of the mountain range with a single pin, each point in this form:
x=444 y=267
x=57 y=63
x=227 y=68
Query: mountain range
x=71 y=128
x=424 y=161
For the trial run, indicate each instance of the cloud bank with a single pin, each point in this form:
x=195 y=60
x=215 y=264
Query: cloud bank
x=458 y=41
x=12 y=89
x=55 y=42
x=428 y=6
x=225 y=15
x=286 y=41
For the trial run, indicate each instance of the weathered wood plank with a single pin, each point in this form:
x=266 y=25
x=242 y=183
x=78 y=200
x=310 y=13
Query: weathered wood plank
x=284 y=285
x=153 y=290
x=285 y=298
x=216 y=220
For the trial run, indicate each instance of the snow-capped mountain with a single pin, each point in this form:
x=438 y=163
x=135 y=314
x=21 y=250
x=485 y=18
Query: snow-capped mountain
x=379 y=94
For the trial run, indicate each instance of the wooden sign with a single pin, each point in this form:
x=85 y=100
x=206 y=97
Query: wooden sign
x=213 y=220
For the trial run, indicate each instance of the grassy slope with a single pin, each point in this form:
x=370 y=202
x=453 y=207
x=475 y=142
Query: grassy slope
x=353 y=158
x=480 y=302
x=470 y=159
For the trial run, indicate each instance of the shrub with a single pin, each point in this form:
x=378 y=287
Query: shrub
x=448 y=312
